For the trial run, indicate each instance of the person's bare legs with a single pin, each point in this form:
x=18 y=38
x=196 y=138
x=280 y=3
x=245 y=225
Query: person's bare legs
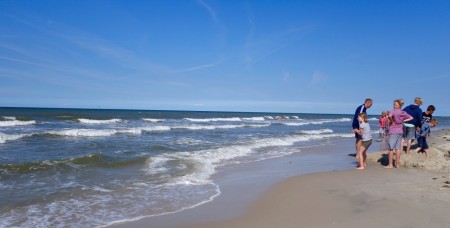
x=358 y=144
x=418 y=149
x=362 y=156
x=408 y=145
x=426 y=152
x=398 y=153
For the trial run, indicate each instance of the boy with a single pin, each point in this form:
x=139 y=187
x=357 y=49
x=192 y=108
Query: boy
x=422 y=139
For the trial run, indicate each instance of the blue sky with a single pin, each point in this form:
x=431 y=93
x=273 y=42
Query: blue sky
x=273 y=56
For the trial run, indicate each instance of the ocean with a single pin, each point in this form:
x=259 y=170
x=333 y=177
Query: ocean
x=89 y=167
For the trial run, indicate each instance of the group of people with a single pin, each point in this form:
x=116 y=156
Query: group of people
x=397 y=126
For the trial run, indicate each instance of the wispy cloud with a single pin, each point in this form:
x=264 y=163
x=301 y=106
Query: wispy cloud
x=212 y=13
x=318 y=78
x=256 y=51
x=77 y=48
x=197 y=68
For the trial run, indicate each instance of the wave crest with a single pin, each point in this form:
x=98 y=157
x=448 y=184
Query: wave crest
x=11 y=123
x=7 y=137
x=91 y=121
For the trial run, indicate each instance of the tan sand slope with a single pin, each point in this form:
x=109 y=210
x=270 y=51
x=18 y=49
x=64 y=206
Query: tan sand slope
x=437 y=160
x=417 y=196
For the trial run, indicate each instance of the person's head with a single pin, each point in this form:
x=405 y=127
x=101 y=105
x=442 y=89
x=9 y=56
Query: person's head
x=383 y=113
x=418 y=101
x=368 y=103
x=398 y=103
x=362 y=117
x=431 y=109
x=433 y=122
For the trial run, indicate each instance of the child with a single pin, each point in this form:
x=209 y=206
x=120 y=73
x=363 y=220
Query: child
x=364 y=131
x=396 y=119
x=422 y=139
x=382 y=124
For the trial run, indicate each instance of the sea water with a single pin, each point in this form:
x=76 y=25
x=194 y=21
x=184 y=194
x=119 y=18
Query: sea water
x=78 y=167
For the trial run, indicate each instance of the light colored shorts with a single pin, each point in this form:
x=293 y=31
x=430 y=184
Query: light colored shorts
x=409 y=132
x=367 y=143
x=395 y=141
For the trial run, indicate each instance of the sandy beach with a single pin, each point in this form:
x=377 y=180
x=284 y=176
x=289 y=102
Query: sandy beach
x=415 y=195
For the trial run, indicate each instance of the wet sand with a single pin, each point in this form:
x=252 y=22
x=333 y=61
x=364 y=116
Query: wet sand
x=415 y=195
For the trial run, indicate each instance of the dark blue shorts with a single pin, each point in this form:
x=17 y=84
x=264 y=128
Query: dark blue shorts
x=422 y=142
x=358 y=136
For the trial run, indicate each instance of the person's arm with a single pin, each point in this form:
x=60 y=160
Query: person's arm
x=390 y=119
x=408 y=119
x=360 y=131
x=355 y=124
x=420 y=118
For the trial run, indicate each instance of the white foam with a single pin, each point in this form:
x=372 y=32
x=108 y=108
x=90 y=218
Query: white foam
x=295 y=124
x=84 y=132
x=9 y=117
x=11 y=123
x=157 y=165
x=9 y=137
x=153 y=120
x=234 y=119
x=254 y=119
x=206 y=161
x=213 y=127
x=90 y=121
x=321 y=131
x=135 y=131
x=156 y=128
x=316 y=122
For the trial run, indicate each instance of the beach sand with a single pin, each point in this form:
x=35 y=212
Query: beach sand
x=415 y=195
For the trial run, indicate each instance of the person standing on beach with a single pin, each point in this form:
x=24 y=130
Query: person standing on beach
x=355 y=124
x=382 y=124
x=410 y=127
x=427 y=116
x=396 y=119
x=423 y=134
x=364 y=131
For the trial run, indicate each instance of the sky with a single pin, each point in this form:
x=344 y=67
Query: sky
x=298 y=56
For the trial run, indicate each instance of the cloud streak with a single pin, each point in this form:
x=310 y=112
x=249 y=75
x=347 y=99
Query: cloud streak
x=256 y=51
x=318 y=78
x=212 y=13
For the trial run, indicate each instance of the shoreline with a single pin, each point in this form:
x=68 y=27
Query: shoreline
x=415 y=196
x=342 y=198
x=244 y=183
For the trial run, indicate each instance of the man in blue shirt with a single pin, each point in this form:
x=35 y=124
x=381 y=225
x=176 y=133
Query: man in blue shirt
x=410 y=127
x=355 y=124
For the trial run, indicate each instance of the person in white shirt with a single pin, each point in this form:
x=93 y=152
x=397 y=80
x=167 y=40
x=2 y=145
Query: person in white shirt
x=364 y=131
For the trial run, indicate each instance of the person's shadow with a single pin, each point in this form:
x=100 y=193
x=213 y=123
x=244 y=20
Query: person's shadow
x=384 y=160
